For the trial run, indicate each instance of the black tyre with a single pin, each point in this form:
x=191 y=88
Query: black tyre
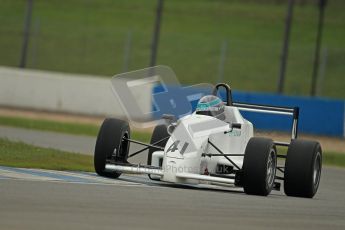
x=159 y=132
x=110 y=145
x=303 y=168
x=259 y=166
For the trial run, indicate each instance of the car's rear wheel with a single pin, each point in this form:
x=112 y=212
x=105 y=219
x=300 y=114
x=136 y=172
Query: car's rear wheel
x=159 y=132
x=303 y=168
x=259 y=166
x=111 y=145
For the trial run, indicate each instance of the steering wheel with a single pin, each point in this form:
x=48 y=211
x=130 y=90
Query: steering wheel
x=228 y=92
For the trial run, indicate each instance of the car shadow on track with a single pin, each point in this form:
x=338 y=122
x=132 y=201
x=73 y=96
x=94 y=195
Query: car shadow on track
x=200 y=187
x=215 y=188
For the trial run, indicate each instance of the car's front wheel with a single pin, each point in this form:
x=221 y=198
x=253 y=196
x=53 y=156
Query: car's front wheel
x=111 y=145
x=259 y=166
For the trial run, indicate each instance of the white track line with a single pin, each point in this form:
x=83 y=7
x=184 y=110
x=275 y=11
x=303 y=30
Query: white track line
x=63 y=177
x=15 y=175
x=93 y=177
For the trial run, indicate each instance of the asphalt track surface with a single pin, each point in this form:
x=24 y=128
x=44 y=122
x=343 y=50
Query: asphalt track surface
x=42 y=199
x=66 y=142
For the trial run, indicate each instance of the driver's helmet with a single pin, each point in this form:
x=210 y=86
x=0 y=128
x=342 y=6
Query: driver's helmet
x=211 y=106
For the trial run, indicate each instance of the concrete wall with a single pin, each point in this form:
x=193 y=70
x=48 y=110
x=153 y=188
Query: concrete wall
x=50 y=91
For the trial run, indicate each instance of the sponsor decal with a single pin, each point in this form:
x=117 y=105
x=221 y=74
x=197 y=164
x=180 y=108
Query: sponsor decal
x=234 y=133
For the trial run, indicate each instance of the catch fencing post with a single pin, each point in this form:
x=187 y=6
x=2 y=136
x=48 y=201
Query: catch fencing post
x=222 y=61
x=322 y=6
x=155 y=37
x=26 y=35
x=127 y=52
x=285 y=48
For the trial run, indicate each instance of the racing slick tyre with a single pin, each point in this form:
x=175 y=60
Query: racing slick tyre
x=159 y=132
x=259 y=166
x=302 y=168
x=110 y=145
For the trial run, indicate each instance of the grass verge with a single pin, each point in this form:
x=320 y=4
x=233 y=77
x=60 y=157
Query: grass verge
x=333 y=159
x=62 y=127
x=17 y=154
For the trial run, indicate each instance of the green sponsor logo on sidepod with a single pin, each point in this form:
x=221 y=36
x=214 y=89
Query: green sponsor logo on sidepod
x=235 y=133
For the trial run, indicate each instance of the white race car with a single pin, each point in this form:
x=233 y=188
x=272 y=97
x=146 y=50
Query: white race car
x=215 y=144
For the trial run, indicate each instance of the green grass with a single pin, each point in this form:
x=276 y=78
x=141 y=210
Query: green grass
x=333 y=159
x=89 y=36
x=17 y=154
x=46 y=125
x=328 y=158
x=62 y=127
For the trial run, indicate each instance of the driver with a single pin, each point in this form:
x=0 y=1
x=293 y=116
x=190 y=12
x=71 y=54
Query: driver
x=211 y=106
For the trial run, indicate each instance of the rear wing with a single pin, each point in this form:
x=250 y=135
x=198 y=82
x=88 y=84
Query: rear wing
x=289 y=111
x=279 y=110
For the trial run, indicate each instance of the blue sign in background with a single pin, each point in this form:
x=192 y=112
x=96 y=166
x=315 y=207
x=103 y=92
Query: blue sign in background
x=317 y=115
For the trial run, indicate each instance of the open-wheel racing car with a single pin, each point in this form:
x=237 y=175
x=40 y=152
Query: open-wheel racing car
x=217 y=145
